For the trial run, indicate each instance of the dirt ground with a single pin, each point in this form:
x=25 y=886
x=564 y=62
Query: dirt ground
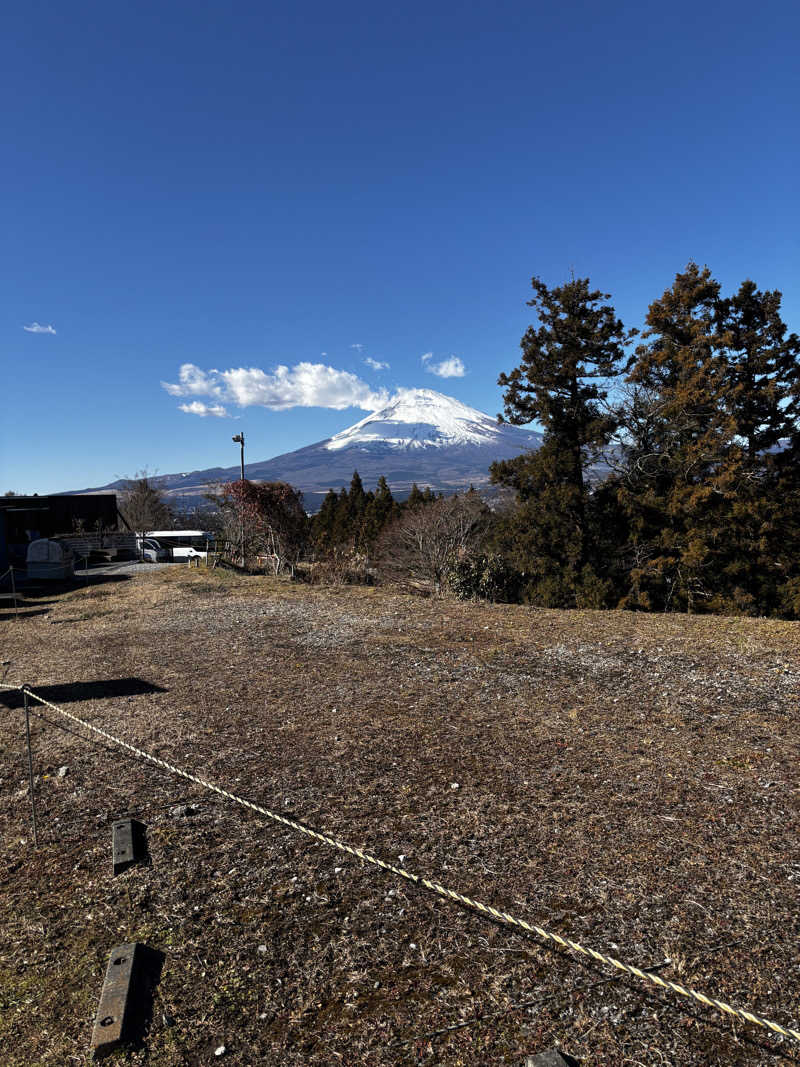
x=628 y=781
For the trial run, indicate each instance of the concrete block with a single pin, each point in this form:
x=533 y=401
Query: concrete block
x=128 y=844
x=127 y=997
x=550 y=1058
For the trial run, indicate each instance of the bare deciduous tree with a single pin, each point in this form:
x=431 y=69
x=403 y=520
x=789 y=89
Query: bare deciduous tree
x=142 y=503
x=415 y=550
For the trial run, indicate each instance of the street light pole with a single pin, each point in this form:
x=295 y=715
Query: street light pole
x=239 y=439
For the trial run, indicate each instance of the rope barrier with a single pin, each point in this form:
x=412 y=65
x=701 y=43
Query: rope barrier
x=433 y=887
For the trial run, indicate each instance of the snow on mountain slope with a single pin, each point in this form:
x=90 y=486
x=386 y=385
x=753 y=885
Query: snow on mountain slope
x=421 y=418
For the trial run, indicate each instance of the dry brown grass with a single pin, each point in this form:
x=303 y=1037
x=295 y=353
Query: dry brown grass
x=628 y=780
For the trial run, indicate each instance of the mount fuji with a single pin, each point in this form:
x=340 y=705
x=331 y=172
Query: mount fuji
x=420 y=436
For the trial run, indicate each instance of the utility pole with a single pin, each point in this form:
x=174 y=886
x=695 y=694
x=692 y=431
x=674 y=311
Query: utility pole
x=239 y=439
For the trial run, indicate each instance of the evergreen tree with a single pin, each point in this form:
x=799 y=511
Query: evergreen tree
x=341 y=530
x=679 y=502
x=370 y=528
x=322 y=525
x=357 y=503
x=415 y=497
x=353 y=519
x=782 y=543
x=763 y=369
x=562 y=381
x=385 y=505
x=763 y=372
x=379 y=511
x=356 y=496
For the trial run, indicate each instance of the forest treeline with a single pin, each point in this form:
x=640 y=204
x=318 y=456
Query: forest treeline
x=354 y=518
x=667 y=479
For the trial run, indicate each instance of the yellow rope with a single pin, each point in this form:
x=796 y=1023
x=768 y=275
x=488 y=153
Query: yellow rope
x=433 y=887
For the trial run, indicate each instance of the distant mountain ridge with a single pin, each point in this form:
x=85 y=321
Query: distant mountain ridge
x=420 y=436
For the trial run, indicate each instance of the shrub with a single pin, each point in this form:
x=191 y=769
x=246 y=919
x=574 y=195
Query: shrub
x=415 y=550
x=341 y=566
x=484 y=577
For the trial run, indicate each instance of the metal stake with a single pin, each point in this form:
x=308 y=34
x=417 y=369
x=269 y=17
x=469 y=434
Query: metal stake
x=30 y=766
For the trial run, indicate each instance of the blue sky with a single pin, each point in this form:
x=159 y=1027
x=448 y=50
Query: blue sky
x=248 y=187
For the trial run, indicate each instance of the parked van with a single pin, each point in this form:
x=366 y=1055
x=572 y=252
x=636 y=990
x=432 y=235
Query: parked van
x=184 y=544
x=150 y=549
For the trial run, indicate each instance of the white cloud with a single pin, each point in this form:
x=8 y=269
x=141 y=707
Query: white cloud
x=304 y=385
x=376 y=364
x=197 y=407
x=36 y=328
x=358 y=348
x=447 y=368
x=194 y=382
x=308 y=385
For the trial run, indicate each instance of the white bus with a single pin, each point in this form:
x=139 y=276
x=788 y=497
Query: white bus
x=184 y=544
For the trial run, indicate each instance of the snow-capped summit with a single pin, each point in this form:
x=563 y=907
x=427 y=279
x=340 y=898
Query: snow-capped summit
x=420 y=418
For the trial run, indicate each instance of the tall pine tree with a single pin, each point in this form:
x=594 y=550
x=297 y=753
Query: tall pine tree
x=679 y=501
x=381 y=509
x=322 y=525
x=763 y=400
x=415 y=497
x=763 y=369
x=562 y=382
x=342 y=521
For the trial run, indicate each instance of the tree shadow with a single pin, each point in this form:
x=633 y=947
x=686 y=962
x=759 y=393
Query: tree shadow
x=11 y=615
x=22 y=598
x=32 y=589
x=77 y=692
x=141 y=1018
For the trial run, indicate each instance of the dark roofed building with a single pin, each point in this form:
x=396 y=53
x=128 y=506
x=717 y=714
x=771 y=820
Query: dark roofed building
x=26 y=518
